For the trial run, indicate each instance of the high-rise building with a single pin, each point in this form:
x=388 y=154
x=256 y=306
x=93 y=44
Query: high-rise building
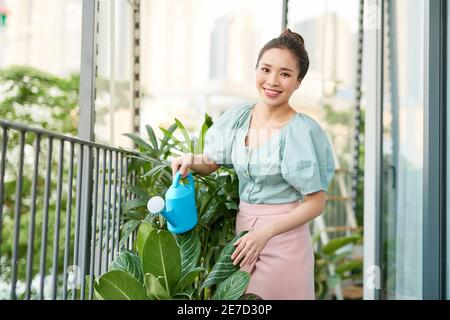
x=45 y=34
x=331 y=48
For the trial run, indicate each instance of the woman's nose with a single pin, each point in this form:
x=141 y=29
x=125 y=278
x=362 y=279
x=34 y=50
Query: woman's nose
x=273 y=80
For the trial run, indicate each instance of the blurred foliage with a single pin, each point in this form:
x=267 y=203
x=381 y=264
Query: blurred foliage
x=336 y=253
x=338 y=124
x=39 y=99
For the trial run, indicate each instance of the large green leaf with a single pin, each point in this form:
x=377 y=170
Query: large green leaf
x=154 y=288
x=186 y=136
x=119 y=285
x=167 y=136
x=188 y=279
x=132 y=204
x=224 y=266
x=189 y=243
x=161 y=257
x=139 y=141
x=338 y=243
x=129 y=262
x=127 y=229
x=152 y=137
x=154 y=170
x=233 y=287
x=142 y=193
x=144 y=231
x=355 y=265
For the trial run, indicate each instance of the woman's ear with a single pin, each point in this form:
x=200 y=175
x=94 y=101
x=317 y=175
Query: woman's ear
x=299 y=82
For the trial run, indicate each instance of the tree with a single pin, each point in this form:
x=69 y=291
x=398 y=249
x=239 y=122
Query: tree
x=38 y=99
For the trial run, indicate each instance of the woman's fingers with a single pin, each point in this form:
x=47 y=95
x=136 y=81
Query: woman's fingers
x=238 y=249
x=184 y=170
x=240 y=253
x=174 y=168
x=254 y=258
x=249 y=255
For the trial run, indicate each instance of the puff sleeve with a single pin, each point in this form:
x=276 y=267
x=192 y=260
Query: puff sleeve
x=220 y=136
x=307 y=157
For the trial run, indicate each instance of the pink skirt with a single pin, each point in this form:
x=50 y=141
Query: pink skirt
x=285 y=267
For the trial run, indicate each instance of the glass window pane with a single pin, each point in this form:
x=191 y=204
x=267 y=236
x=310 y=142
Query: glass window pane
x=402 y=150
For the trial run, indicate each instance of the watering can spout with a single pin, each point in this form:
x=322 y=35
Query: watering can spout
x=156 y=205
x=168 y=214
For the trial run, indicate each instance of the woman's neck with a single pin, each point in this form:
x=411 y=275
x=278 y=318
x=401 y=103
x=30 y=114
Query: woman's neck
x=274 y=115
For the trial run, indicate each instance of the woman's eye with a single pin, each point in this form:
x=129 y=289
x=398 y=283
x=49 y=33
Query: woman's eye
x=264 y=70
x=285 y=74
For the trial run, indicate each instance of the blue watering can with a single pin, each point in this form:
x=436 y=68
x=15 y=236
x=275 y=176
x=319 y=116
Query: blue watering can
x=180 y=209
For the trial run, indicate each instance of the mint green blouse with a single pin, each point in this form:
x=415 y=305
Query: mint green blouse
x=295 y=161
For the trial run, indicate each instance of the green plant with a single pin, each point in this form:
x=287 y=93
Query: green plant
x=166 y=267
x=338 y=124
x=216 y=195
x=32 y=97
x=337 y=252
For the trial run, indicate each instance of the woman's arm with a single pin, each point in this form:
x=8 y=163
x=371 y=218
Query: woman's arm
x=197 y=162
x=312 y=206
x=204 y=166
x=250 y=245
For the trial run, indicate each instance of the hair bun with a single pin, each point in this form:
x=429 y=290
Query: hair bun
x=293 y=35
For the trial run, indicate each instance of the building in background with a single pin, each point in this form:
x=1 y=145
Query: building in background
x=45 y=34
x=331 y=48
x=196 y=57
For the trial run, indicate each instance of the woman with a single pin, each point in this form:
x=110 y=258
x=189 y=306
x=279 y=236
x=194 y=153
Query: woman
x=284 y=163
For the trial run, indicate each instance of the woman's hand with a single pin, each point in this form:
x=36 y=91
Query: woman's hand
x=182 y=164
x=249 y=246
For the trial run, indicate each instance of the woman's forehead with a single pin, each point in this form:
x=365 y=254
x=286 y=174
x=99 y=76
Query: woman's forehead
x=279 y=58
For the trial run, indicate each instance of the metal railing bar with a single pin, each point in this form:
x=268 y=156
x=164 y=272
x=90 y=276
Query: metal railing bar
x=108 y=210
x=83 y=251
x=127 y=197
x=57 y=219
x=134 y=183
x=20 y=127
x=102 y=215
x=2 y=178
x=120 y=203
x=45 y=217
x=94 y=224
x=68 y=220
x=77 y=221
x=31 y=228
x=113 y=227
x=86 y=225
x=17 y=207
x=126 y=179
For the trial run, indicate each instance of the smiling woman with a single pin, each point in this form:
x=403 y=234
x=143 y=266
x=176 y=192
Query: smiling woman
x=274 y=173
x=298 y=165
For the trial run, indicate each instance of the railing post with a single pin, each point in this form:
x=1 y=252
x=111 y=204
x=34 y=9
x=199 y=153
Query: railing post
x=86 y=126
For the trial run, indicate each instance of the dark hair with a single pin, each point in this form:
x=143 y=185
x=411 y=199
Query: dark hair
x=295 y=44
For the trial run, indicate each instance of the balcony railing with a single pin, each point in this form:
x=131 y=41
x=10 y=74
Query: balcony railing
x=60 y=212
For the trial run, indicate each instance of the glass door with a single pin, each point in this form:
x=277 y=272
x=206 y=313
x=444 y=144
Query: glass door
x=402 y=143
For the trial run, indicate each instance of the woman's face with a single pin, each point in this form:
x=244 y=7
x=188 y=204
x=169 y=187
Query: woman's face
x=277 y=76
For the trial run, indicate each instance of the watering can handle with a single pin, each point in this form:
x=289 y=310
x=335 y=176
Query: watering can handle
x=177 y=178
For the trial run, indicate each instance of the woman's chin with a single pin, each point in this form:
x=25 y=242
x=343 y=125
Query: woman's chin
x=272 y=102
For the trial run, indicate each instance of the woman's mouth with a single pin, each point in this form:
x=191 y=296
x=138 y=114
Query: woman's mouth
x=271 y=93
